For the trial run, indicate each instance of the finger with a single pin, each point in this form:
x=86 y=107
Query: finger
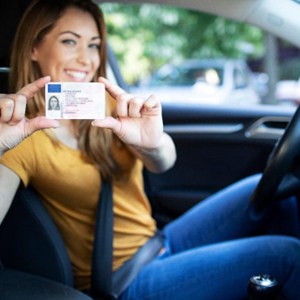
x=110 y=123
x=135 y=106
x=31 y=89
x=152 y=104
x=6 y=108
x=20 y=102
x=114 y=90
x=40 y=123
x=122 y=105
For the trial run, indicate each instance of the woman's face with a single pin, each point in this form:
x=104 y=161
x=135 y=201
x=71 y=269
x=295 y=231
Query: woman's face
x=70 y=51
x=53 y=103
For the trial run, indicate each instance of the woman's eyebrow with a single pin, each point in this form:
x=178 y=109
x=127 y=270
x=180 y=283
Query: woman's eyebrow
x=70 y=32
x=78 y=35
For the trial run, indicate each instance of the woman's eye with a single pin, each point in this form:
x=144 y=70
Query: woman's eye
x=94 y=46
x=69 y=42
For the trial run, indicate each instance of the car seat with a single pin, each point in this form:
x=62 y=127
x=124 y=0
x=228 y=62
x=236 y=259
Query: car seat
x=16 y=285
x=33 y=255
x=4 y=80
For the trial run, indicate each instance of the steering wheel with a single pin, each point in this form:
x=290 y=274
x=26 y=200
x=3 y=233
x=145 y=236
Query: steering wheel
x=280 y=170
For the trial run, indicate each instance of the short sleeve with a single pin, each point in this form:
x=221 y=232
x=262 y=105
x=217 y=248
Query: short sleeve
x=21 y=160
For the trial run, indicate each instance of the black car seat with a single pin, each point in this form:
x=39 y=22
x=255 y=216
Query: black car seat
x=16 y=285
x=35 y=264
x=30 y=241
x=4 y=80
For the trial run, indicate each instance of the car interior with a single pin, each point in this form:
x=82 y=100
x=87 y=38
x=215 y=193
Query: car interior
x=215 y=147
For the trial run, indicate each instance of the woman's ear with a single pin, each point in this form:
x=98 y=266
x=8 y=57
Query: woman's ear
x=34 y=54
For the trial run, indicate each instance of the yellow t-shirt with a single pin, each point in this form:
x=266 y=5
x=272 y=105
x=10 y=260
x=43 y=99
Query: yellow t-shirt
x=70 y=189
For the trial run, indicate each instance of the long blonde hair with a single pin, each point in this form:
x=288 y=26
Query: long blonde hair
x=39 y=18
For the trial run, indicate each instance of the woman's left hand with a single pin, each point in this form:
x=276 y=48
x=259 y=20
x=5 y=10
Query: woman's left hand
x=138 y=122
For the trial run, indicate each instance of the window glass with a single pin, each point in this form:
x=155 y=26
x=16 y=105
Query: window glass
x=240 y=78
x=187 y=56
x=186 y=75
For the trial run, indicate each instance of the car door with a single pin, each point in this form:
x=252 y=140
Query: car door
x=216 y=146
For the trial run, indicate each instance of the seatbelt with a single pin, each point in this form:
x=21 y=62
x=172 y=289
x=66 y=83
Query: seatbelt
x=123 y=276
x=101 y=281
x=104 y=283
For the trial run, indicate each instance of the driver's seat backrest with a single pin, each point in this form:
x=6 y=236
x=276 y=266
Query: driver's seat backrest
x=31 y=242
x=4 y=73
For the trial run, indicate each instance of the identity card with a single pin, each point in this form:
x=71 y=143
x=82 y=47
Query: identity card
x=75 y=100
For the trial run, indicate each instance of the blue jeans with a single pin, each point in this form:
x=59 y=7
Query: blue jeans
x=214 y=248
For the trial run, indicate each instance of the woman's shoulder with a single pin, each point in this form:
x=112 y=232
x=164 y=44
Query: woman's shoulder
x=30 y=146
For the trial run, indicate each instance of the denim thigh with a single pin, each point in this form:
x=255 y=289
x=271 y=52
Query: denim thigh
x=224 y=216
x=213 y=250
x=220 y=271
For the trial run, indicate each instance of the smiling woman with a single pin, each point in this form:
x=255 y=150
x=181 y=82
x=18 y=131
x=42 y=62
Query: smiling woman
x=70 y=55
x=68 y=43
x=207 y=252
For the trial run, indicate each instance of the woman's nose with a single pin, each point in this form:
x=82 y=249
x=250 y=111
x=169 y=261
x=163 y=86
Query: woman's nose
x=83 y=55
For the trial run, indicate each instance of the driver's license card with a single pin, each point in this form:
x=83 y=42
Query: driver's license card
x=75 y=100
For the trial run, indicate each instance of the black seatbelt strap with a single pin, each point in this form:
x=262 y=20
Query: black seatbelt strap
x=101 y=282
x=131 y=268
x=104 y=283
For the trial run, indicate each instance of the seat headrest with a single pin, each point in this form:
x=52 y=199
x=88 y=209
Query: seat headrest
x=4 y=80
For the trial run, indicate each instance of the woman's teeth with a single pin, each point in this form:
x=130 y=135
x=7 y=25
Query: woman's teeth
x=76 y=74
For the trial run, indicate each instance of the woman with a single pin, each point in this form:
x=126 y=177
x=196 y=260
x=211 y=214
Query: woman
x=65 y=41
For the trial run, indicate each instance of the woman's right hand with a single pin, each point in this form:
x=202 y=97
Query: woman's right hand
x=14 y=127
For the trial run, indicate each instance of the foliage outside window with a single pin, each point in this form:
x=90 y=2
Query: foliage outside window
x=145 y=37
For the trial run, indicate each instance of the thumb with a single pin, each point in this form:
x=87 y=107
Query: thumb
x=40 y=123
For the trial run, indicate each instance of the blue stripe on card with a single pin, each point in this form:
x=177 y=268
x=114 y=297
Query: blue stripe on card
x=54 y=88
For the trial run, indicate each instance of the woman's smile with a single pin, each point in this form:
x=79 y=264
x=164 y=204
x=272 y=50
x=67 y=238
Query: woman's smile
x=76 y=75
x=70 y=51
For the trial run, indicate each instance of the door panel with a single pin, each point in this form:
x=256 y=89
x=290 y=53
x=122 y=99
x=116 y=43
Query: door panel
x=216 y=146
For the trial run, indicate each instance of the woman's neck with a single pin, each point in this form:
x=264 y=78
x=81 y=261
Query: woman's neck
x=66 y=134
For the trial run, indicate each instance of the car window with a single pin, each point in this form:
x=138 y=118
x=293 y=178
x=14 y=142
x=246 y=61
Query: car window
x=188 y=56
x=182 y=75
x=241 y=79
